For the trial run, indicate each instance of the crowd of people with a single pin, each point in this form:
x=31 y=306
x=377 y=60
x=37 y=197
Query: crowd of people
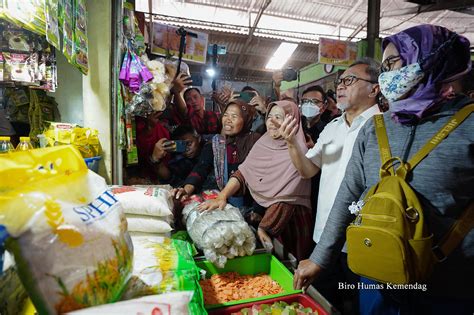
x=294 y=168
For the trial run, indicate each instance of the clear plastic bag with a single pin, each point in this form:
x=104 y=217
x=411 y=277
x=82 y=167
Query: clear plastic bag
x=221 y=234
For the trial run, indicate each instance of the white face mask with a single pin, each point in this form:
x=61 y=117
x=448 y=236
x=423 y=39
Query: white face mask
x=397 y=83
x=310 y=110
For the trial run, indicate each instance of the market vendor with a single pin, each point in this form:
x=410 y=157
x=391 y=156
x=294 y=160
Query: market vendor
x=226 y=152
x=272 y=180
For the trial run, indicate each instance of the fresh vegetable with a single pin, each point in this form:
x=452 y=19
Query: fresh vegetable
x=277 y=308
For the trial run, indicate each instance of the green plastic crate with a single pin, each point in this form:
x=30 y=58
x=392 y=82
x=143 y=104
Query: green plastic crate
x=252 y=265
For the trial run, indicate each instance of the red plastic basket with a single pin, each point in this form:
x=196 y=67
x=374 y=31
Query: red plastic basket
x=303 y=299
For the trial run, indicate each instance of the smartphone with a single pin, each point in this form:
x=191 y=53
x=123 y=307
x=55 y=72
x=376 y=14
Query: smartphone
x=178 y=146
x=181 y=146
x=196 y=79
x=247 y=96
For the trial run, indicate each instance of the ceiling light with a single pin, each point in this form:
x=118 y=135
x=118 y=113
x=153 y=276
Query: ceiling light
x=281 y=56
x=211 y=72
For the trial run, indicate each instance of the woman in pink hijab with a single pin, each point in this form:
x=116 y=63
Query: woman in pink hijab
x=274 y=183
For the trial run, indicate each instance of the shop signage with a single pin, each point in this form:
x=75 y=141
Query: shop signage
x=165 y=39
x=336 y=52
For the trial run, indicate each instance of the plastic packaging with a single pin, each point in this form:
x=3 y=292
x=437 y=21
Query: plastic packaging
x=68 y=232
x=221 y=234
x=24 y=145
x=5 y=145
x=175 y=303
x=164 y=265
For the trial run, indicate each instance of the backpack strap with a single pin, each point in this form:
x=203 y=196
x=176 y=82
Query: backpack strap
x=456 y=234
x=452 y=124
x=382 y=140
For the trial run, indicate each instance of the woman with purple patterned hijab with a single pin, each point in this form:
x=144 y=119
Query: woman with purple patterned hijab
x=443 y=56
x=419 y=65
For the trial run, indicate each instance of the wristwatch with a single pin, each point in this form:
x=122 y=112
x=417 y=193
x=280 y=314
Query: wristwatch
x=153 y=161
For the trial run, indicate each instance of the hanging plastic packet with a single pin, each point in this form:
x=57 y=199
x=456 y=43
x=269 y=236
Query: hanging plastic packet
x=68 y=30
x=80 y=54
x=124 y=75
x=29 y=14
x=18 y=67
x=52 y=26
x=17 y=40
x=2 y=66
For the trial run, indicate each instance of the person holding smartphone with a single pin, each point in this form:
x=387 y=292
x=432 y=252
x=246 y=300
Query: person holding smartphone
x=224 y=154
x=186 y=147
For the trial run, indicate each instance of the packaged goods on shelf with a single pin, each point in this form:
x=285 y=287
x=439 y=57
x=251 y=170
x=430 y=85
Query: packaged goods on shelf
x=86 y=140
x=175 y=303
x=221 y=234
x=67 y=214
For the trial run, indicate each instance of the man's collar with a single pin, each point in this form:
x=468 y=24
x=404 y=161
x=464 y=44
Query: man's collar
x=369 y=112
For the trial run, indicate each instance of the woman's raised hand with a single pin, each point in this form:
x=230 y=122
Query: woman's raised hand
x=288 y=129
x=219 y=203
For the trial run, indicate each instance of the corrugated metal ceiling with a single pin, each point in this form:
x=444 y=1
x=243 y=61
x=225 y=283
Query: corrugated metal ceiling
x=324 y=18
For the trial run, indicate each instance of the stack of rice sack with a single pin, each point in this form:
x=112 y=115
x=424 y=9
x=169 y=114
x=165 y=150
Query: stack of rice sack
x=66 y=230
x=162 y=265
x=148 y=209
x=221 y=234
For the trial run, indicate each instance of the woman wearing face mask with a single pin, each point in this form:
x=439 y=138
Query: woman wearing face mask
x=275 y=184
x=226 y=152
x=418 y=64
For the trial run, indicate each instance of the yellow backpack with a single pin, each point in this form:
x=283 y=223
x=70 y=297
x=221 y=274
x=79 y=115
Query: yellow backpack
x=389 y=241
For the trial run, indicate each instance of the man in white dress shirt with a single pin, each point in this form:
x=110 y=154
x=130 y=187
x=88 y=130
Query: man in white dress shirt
x=357 y=94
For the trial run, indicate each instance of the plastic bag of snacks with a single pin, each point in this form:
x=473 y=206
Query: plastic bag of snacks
x=175 y=303
x=163 y=265
x=221 y=234
x=67 y=230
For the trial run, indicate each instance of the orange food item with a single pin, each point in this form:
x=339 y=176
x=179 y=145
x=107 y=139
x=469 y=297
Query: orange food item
x=231 y=286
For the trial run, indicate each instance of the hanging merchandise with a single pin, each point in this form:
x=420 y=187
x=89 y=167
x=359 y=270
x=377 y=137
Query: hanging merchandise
x=28 y=14
x=19 y=67
x=133 y=72
x=17 y=104
x=52 y=24
x=26 y=59
x=68 y=29
x=152 y=95
x=80 y=54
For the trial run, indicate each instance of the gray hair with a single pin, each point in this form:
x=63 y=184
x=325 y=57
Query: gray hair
x=373 y=67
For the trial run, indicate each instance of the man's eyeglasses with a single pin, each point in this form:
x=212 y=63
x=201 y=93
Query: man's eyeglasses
x=349 y=80
x=388 y=63
x=313 y=101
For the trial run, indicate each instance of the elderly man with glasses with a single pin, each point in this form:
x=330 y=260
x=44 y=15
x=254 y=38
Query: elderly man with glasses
x=357 y=94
